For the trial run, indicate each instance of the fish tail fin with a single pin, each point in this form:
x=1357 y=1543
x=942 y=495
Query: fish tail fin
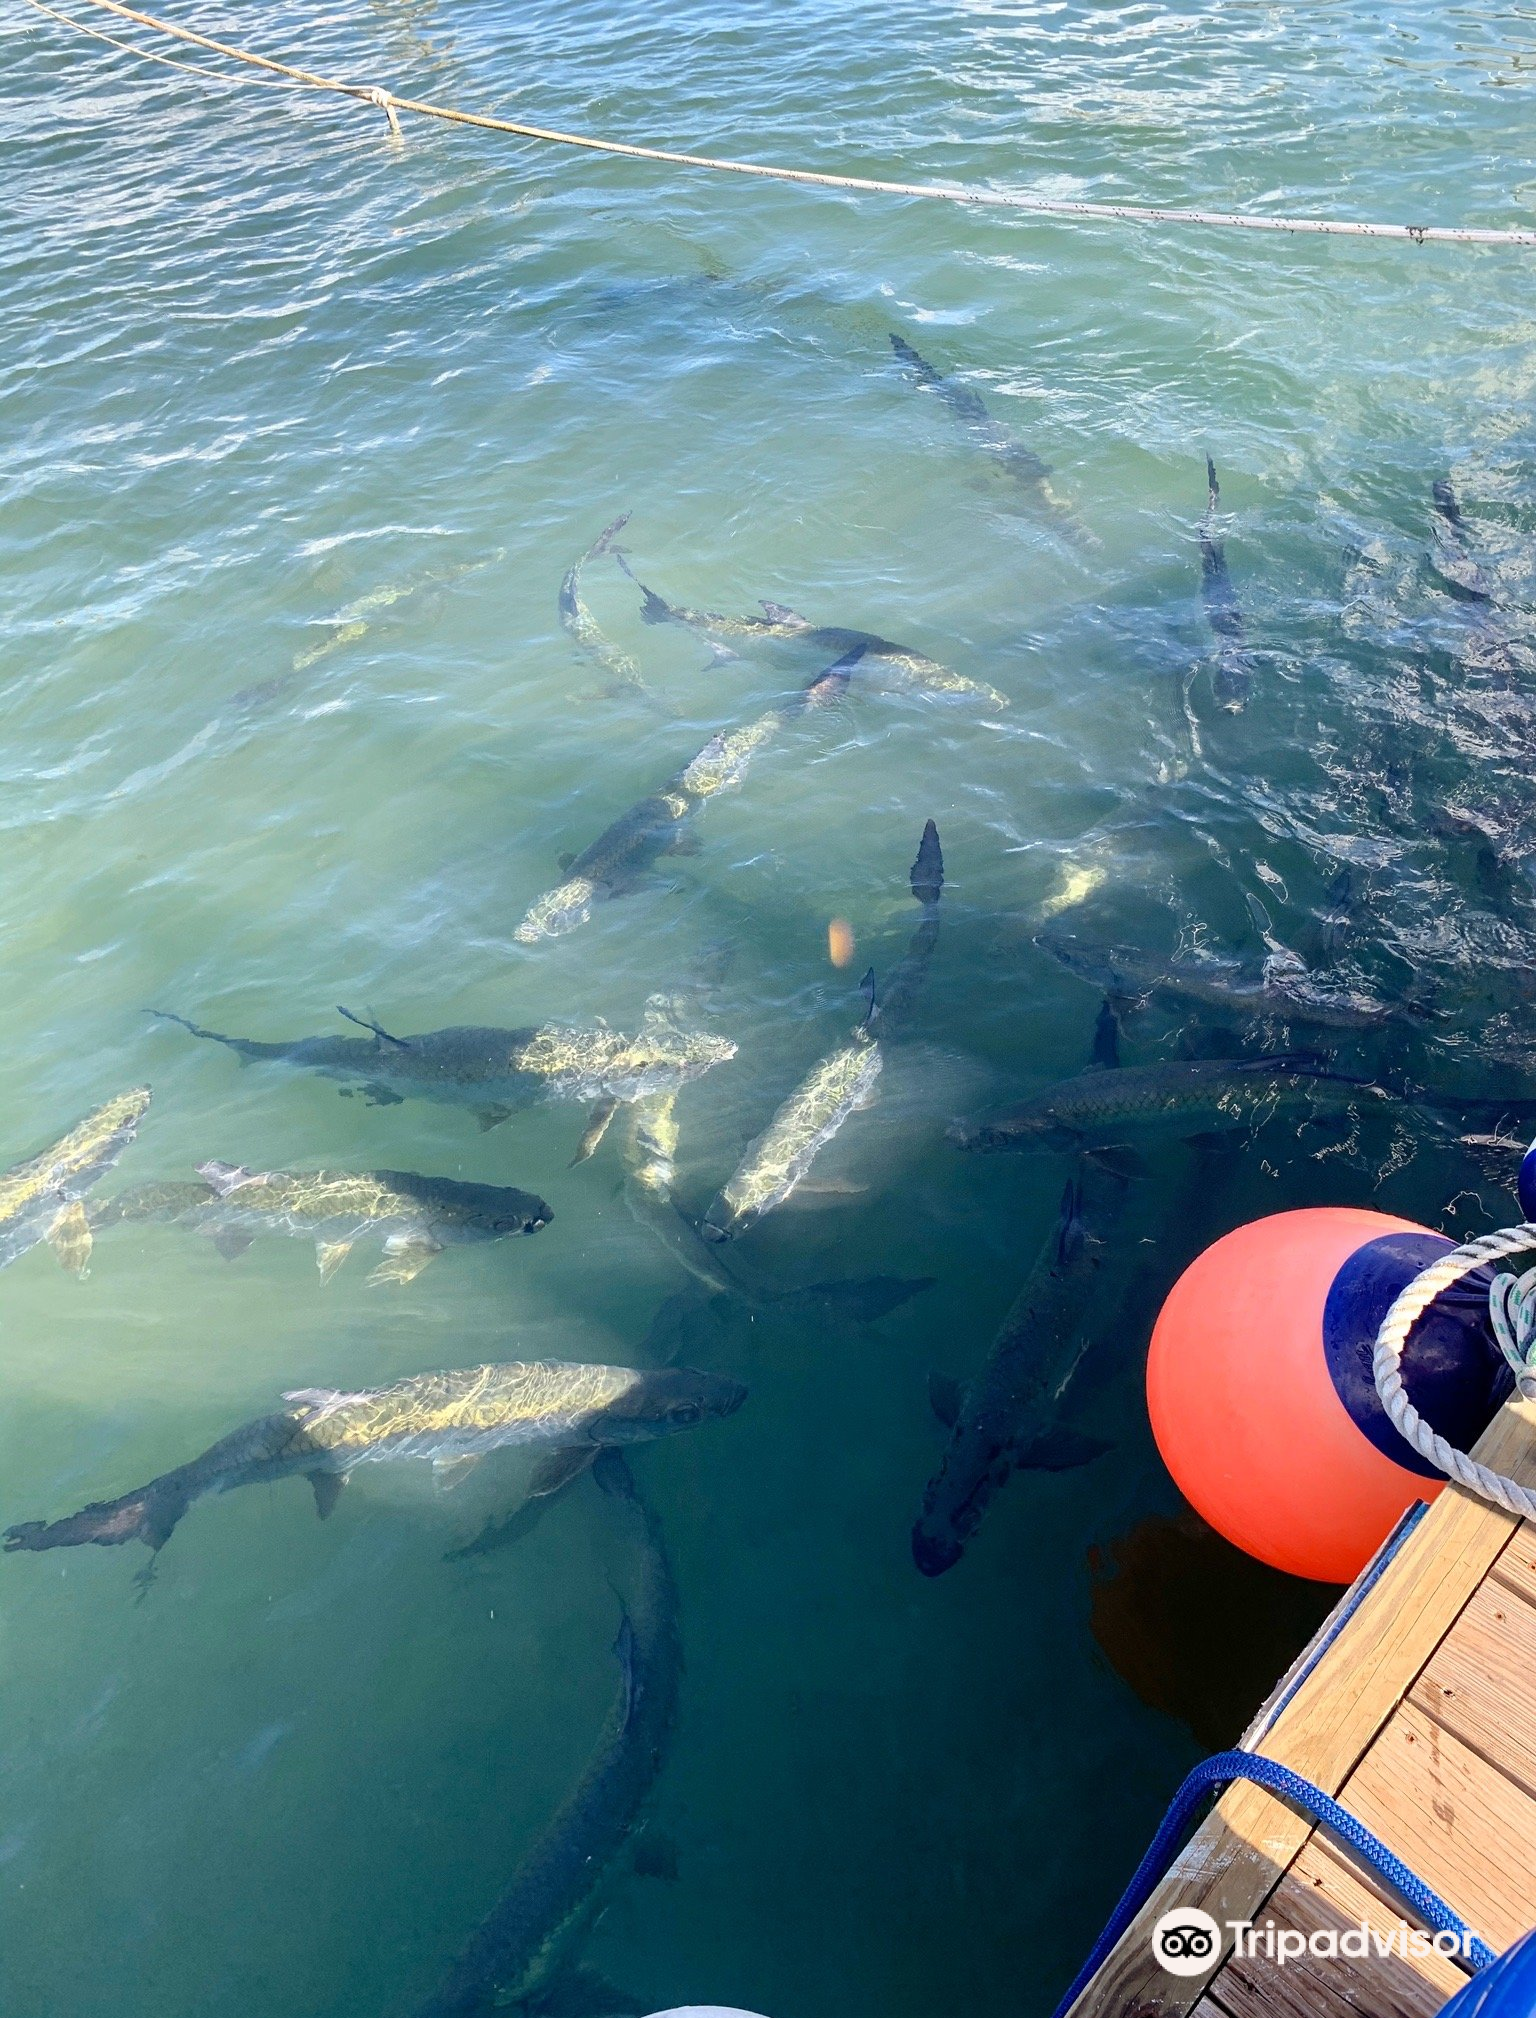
x=927 y=875
x=147 y=1515
x=1213 y=488
x=245 y=1047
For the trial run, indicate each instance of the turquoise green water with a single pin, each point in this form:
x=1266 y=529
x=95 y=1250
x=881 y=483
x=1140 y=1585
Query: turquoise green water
x=268 y=378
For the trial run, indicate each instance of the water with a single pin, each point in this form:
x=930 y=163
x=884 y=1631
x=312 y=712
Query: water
x=269 y=377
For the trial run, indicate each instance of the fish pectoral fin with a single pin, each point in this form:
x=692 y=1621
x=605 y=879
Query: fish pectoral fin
x=1059 y=1449
x=684 y=842
x=491 y=1117
x=379 y=1095
x=327 y=1488
x=448 y=1472
x=561 y=1468
x=597 y=1127
x=230 y=1243
x=656 y=1857
x=224 y=1178
x=946 y=1397
x=329 y=1255
x=70 y=1238
x=563 y=862
x=1106 y=1038
x=405 y=1256
x=720 y=655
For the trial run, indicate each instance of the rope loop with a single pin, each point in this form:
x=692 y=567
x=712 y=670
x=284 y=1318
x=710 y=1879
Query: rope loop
x=375 y=94
x=1512 y=1307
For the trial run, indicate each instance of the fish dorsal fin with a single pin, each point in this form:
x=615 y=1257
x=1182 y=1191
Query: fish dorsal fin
x=327 y=1486
x=554 y=1473
x=563 y=862
x=867 y=990
x=70 y=1238
x=225 y=1177
x=315 y=1401
x=596 y=1128
x=231 y=1243
x=367 y=1023
x=781 y=613
x=927 y=873
x=1069 y=1224
x=624 y=1650
x=1213 y=488
x=1106 y=1038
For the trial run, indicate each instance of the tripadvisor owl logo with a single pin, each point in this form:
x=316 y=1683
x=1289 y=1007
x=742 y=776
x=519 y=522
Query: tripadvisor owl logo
x=1186 y=1942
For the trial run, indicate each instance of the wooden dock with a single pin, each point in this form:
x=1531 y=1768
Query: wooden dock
x=1419 y=1716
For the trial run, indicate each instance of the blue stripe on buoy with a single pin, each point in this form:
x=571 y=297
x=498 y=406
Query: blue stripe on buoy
x=1528 y=1184
x=1452 y=1369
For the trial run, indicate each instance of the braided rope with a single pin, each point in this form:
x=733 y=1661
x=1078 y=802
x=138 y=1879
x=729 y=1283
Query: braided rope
x=1512 y=1305
x=1035 y=206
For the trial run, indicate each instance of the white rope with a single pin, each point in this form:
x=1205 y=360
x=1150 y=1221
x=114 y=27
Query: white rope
x=1512 y=1305
x=1037 y=206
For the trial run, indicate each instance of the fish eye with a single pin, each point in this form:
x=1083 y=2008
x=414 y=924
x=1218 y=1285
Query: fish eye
x=685 y=1414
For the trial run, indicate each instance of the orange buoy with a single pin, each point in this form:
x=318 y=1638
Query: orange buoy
x=1261 y=1395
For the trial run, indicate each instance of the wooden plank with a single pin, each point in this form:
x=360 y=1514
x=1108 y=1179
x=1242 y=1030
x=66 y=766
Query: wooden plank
x=1479 y=1684
x=1237 y=1856
x=1517 y=1565
x=1320 y=1893
x=1457 y=1821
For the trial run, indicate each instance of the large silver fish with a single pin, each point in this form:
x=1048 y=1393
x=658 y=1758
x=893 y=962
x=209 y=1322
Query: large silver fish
x=40 y=1199
x=1232 y=681
x=968 y=410
x=524 y=1948
x=580 y=624
x=414 y=1217
x=493 y=1071
x=621 y=858
x=1181 y=1098
x=1009 y=1416
x=838 y=1085
x=448 y=1418
x=779 y=625
x=1280 y=986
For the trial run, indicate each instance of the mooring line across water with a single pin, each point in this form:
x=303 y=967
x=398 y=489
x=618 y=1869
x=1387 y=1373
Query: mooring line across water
x=392 y=105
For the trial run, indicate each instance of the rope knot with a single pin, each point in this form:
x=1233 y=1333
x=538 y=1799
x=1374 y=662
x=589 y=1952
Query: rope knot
x=1512 y=1305
x=375 y=94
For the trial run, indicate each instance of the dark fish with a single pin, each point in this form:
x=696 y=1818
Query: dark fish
x=1278 y=986
x=1489 y=648
x=1008 y=1417
x=968 y=410
x=450 y=1418
x=780 y=625
x=1232 y=682
x=492 y=1071
x=523 y=1949
x=620 y=859
x=413 y=1216
x=1183 y=1097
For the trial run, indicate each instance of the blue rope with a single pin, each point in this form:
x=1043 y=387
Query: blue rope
x=1218 y=1772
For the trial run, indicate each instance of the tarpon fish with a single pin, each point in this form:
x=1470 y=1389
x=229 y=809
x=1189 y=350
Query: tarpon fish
x=1186 y=1097
x=415 y=1217
x=450 y=1418
x=968 y=410
x=491 y=1071
x=1008 y=1417
x=780 y=625
x=524 y=1948
x=582 y=626
x=621 y=858
x=1489 y=648
x=40 y=1199
x=1279 y=986
x=839 y=1084
x=1232 y=681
